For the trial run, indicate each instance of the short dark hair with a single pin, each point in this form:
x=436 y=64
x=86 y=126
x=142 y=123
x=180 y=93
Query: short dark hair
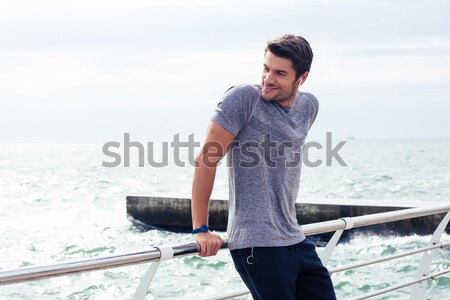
x=295 y=48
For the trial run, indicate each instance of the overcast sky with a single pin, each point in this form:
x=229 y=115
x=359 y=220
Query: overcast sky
x=89 y=71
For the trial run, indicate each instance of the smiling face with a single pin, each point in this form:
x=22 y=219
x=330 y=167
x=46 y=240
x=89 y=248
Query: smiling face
x=278 y=80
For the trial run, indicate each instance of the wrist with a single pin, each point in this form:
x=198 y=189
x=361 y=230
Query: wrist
x=203 y=228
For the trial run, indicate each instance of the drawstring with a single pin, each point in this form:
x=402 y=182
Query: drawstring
x=250 y=258
x=292 y=248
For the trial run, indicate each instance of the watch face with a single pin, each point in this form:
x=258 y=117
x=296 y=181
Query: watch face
x=204 y=228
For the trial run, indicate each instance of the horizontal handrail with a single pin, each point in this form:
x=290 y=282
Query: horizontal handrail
x=91 y=264
x=365 y=296
x=353 y=266
x=399 y=286
x=373 y=219
x=97 y=263
x=387 y=258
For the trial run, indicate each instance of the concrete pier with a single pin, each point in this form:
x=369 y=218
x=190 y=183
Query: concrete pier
x=174 y=214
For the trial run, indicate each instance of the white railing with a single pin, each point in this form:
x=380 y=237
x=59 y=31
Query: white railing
x=158 y=254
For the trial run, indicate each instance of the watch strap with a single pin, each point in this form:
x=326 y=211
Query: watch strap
x=203 y=228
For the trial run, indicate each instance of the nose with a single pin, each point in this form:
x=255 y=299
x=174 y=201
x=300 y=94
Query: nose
x=268 y=78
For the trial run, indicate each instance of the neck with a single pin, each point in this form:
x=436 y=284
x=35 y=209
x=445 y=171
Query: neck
x=287 y=102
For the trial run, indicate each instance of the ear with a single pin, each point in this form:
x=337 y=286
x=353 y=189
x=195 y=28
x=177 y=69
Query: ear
x=302 y=78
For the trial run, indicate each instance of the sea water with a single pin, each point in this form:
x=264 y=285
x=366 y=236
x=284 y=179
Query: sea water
x=58 y=203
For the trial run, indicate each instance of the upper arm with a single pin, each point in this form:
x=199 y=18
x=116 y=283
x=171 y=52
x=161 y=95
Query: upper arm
x=235 y=108
x=217 y=142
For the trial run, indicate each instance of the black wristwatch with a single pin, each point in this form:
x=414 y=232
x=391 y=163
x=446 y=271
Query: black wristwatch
x=203 y=228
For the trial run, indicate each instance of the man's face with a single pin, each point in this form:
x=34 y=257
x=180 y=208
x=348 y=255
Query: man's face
x=278 y=80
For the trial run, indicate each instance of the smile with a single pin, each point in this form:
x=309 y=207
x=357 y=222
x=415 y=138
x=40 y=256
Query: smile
x=270 y=88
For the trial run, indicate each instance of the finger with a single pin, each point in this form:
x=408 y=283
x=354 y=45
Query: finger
x=221 y=241
x=216 y=246
x=213 y=249
x=201 y=249
x=209 y=248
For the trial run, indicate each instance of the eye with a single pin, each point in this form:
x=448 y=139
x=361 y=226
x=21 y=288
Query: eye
x=282 y=73
x=265 y=68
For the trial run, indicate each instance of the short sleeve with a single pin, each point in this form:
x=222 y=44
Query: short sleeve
x=235 y=108
x=314 y=107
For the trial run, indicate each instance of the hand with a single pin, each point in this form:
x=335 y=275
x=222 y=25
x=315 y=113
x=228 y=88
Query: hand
x=209 y=243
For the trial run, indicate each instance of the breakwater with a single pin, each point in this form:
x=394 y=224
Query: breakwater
x=174 y=214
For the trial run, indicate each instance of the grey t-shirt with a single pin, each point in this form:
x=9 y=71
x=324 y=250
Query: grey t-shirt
x=264 y=165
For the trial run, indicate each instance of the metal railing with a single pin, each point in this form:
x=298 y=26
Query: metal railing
x=158 y=254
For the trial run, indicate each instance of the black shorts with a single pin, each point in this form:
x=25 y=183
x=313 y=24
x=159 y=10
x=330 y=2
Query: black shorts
x=291 y=272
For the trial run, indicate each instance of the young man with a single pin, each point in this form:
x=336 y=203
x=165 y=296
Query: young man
x=264 y=128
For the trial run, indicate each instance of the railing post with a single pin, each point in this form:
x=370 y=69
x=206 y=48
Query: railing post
x=329 y=248
x=146 y=280
x=418 y=290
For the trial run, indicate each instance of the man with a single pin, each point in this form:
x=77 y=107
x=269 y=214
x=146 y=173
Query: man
x=264 y=129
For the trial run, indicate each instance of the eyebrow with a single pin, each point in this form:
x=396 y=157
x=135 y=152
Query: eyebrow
x=283 y=72
x=278 y=71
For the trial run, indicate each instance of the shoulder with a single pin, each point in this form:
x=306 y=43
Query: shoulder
x=244 y=96
x=310 y=97
x=236 y=106
x=312 y=105
x=244 y=90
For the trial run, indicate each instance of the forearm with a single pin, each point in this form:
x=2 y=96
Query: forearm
x=202 y=187
x=217 y=142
